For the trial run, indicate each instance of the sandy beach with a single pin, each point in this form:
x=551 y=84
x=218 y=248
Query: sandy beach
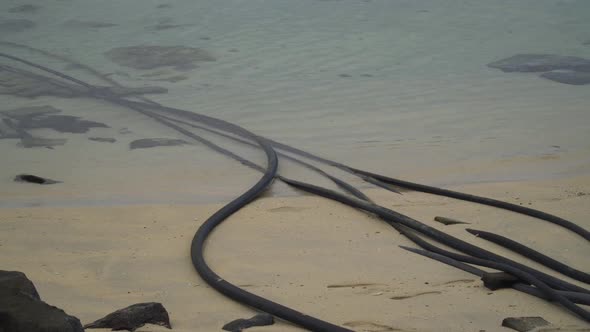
x=309 y=253
x=400 y=88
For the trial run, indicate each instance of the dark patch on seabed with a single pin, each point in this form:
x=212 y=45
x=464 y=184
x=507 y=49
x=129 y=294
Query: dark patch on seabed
x=559 y=68
x=17 y=124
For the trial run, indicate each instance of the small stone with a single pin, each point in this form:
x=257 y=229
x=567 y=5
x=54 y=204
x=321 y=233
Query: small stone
x=33 y=179
x=523 y=324
x=449 y=221
x=133 y=317
x=262 y=319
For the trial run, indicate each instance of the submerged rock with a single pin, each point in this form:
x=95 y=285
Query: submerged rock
x=133 y=317
x=238 y=325
x=34 y=179
x=150 y=57
x=541 y=63
x=568 y=77
x=21 y=309
x=62 y=123
x=145 y=143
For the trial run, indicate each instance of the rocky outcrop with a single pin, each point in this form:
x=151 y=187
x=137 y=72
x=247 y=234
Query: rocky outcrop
x=21 y=308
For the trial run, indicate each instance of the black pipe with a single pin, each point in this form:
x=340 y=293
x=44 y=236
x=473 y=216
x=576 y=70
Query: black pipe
x=532 y=254
x=579 y=298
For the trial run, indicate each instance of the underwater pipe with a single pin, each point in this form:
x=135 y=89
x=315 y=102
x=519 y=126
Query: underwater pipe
x=224 y=125
x=363 y=174
x=532 y=254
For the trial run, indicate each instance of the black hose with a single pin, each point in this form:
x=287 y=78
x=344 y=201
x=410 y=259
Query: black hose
x=532 y=254
x=579 y=298
x=392 y=217
x=550 y=292
x=481 y=200
x=234 y=292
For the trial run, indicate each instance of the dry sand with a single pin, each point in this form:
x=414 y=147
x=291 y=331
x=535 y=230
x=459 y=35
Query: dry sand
x=308 y=253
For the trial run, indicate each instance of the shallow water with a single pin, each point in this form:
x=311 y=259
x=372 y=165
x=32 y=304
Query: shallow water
x=398 y=87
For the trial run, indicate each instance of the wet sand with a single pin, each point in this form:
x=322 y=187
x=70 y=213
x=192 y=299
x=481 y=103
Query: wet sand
x=309 y=253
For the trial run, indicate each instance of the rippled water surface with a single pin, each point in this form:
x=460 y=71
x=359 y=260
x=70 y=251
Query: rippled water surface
x=398 y=87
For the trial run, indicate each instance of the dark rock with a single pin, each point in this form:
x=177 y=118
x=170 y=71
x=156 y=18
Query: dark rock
x=150 y=57
x=449 y=221
x=34 y=179
x=498 y=280
x=27 y=8
x=541 y=63
x=21 y=309
x=15 y=25
x=145 y=143
x=102 y=139
x=238 y=325
x=133 y=317
x=568 y=77
x=523 y=324
x=18 y=282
